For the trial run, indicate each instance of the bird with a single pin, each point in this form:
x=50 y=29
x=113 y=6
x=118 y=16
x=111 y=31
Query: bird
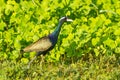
x=46 y=43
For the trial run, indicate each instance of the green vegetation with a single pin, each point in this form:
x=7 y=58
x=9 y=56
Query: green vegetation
x=87 y=49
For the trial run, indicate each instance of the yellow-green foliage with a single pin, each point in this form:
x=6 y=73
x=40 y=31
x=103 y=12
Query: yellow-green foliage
x=95 y=30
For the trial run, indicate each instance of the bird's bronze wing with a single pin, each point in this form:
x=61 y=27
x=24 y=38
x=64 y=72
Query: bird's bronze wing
x=41 y=45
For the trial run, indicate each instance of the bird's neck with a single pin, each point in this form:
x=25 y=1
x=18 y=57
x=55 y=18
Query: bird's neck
x=54 y=36
x=57 y=30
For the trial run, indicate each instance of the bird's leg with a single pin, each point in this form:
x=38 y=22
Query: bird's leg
x=31 y=62
x=41 y=60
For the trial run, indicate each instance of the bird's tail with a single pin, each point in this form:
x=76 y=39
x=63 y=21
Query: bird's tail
x=20 y=55
x=21 y=51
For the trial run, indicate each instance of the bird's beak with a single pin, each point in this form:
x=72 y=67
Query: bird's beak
x=69 y=20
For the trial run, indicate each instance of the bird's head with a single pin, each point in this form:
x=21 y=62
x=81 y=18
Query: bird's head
x=65 y=19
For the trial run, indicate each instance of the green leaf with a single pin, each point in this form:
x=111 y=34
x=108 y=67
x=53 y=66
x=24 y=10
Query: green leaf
x=117 y=50
x=24 y=60
x=96 y=52
x=95 y=41
x=109 y=42
x=117 y=31
x=2 y=25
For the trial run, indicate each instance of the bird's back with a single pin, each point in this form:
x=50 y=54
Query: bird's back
x=43 y=44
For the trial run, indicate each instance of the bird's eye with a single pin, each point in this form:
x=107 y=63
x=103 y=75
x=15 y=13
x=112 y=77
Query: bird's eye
x=65 y=17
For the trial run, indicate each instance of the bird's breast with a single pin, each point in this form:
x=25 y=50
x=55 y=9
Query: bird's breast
x=53 y=39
